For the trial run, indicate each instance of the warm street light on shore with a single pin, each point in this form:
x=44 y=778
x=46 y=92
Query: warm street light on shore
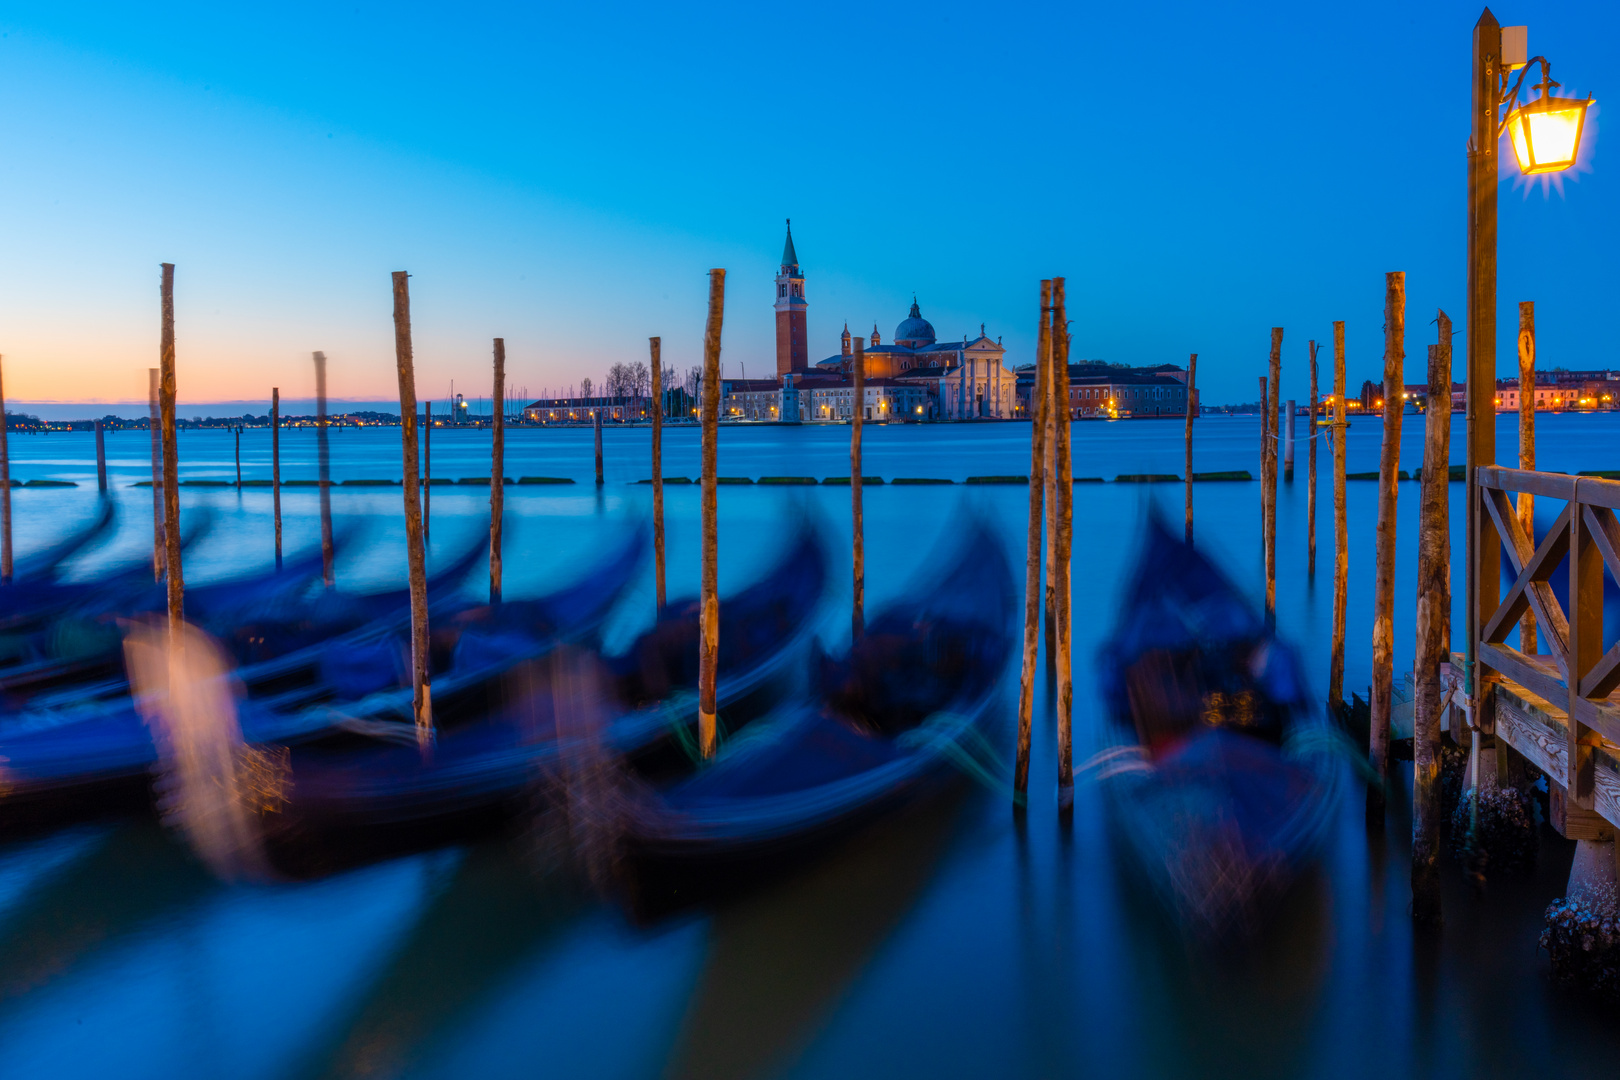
x=1546 y=132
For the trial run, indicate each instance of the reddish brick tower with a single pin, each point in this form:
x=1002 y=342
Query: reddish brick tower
x=792 y=341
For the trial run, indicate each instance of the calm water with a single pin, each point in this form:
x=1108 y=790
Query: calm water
x=945 y=942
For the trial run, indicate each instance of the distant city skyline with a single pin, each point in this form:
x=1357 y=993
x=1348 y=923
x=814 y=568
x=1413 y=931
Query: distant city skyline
x=283 y=164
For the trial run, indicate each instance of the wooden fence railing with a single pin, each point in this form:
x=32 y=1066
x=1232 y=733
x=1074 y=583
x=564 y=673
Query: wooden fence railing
x=1572 y=669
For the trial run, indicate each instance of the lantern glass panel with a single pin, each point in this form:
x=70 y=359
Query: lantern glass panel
x=1546 y=134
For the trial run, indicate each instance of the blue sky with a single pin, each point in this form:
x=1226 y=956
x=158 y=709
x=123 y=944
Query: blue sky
x=565 y=176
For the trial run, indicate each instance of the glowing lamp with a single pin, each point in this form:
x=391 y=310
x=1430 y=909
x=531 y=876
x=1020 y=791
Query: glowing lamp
x=1546 y=133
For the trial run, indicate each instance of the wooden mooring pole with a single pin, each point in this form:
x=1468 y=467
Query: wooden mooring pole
x=1265 y=448
x=1065 y=539
x=1389 y=465
x=427 y=470
x=238 y=433
x=5 y=491
x=1433 y=632
x=1269 y=476
x=709 y=595
x=323 y=453
x=1310 y=468
x=1527 y=448
x=275 y=465
x=655 y=346
x=171 y=458
x=1040 y=399
x=1291 y=410
x=596 y=418
x=101 y=457
x=415 y=550
x=1341 y=530
x=1050 y=495
x=857 y=625
x=154 y=425
x=1192 y=412
x=497 y=472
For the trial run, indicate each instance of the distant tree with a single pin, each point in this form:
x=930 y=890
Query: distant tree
x=640 y=380
x=585 y=387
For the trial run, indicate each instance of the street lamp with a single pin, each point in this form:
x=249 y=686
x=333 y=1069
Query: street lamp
x=1546 y=135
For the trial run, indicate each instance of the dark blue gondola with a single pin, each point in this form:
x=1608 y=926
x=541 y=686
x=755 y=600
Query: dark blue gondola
x=888 y=721
x=1225 y=781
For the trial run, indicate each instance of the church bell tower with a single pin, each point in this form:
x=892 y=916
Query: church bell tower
x=792 y=341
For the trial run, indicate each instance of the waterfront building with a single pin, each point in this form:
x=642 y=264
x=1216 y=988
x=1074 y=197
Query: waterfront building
x=964 y=379
x=1116 y=391
x=1560 y=391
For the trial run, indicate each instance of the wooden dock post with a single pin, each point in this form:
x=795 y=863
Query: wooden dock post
x=323 y=453
x=238 y=434
x=154 y=424
x=1527 y=447
x=1341 y=530
x=1310 y=468
x=171 y=458
x=101 y=457
x=709 y=597
x=497 y=472
x=1288 y=444
x=1065 y=535
x=1433 y=637
x=1389 y=465
x=1041 y=401
x=275 y=465
x=1192 y=412
x=596 y=417
x=1050 y=496
x=857 y=625
x=655 y=346
x=1268 y=476
x=427 y=470
x=5 y=491
x=415 y=551
x=1265 y=448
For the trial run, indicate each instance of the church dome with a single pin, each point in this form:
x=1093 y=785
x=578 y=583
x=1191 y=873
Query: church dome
x=915 y=330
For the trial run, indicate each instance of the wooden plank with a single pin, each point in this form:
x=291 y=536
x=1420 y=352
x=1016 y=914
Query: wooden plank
x=1575 y=822
x=1604 y=677
x=1521 y=553
x=1533 y=726
x=1551 y=484
x=1518 y=667
x=1603 y=717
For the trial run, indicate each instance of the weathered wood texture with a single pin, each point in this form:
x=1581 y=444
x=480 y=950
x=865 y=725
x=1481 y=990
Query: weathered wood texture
x=5 y=490
x=1065 y=545
x=1341 y=529
x=275 y=465
x=655 y=346
x=857 y=624
x=1040 y=397
x=1192 y=414
x=1433 y=645
x=415 y=546
x=1538 y=729
x=101 y=454
x=1527 y=445
x=1050 y=495
x=324 y=455
x=1268 y=494
x=171 y=457
x=154 y=425
x=709 y=599
x=1389 y=463
x=1310 y=469
x=497 y=472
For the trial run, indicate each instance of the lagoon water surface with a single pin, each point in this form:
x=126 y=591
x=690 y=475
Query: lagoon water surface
x=945 y=941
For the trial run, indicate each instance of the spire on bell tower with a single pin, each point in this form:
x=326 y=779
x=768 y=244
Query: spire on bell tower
x=792 y=337
x=847 y=350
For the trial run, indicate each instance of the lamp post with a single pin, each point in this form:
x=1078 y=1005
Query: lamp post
x=1545 y=134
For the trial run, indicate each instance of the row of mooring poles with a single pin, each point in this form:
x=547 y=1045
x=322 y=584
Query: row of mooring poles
x=415 y=549
x=1389 y=464
x=709 y=594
